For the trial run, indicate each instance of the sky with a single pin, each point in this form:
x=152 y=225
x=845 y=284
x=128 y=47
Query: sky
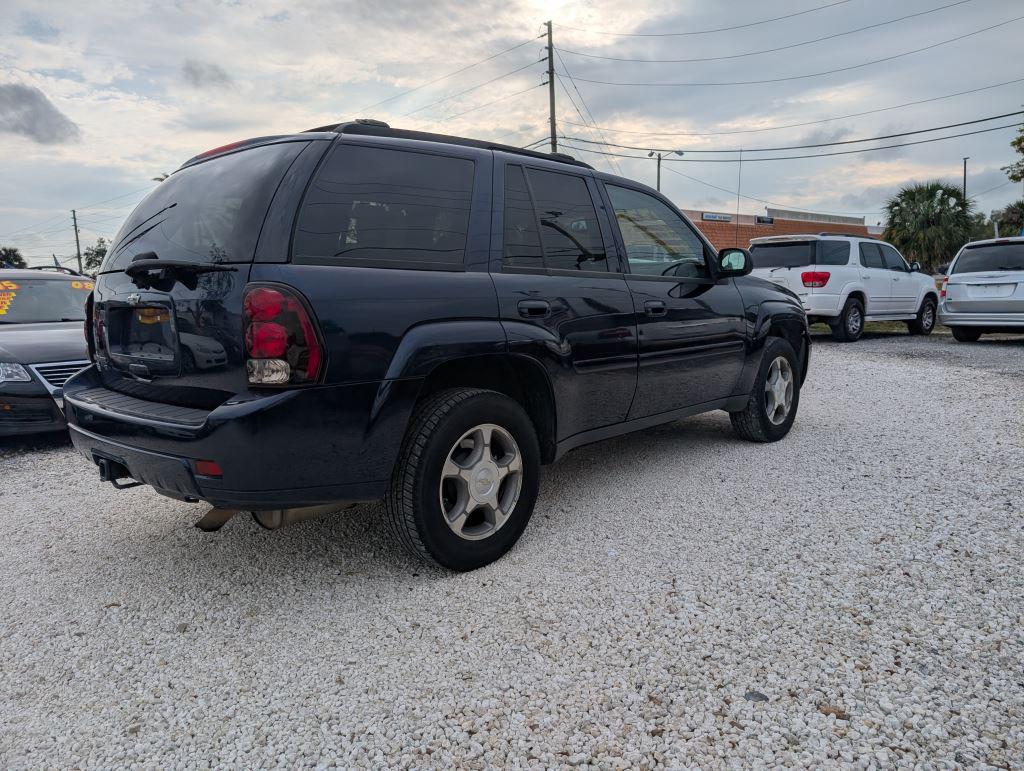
x=98 y=98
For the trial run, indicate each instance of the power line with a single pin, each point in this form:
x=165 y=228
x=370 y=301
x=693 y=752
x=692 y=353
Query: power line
x=798 y=157
x=806 y=123
x=449 y=75
x=708 y=31
x=803 y=147
x=997 y=187
x=561 y=82
x=593 y=121
x=808 y=75
x=485 y=104
x=471 y=88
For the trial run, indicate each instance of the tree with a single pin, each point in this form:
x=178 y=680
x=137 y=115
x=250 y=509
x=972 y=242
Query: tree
x=93 y=256
x=10 y=257
x=1015 y=171
x=928 y=222
x=1011 y=219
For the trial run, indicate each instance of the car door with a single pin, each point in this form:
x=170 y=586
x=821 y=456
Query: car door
x=903 y=288
x=690 y=325
x=877 y=279
x=562 y=296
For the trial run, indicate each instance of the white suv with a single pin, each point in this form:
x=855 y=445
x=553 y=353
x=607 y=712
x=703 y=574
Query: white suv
x=845 y=280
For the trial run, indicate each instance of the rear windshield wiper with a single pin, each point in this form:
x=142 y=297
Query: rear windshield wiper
x=144 y=265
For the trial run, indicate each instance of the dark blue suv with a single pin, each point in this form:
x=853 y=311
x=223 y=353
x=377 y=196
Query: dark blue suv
x=359 y=312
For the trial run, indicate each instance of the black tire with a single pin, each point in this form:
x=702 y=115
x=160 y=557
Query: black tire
x=188 y=361
x=752 y=423
x=850 y=325
x=925 y=321
x=966 y=334
x=413 y=502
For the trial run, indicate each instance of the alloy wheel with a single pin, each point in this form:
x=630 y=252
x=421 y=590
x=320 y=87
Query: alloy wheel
x=778 y=390
x=480 y=482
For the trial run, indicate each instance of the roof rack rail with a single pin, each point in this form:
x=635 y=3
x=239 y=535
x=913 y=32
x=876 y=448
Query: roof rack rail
x=378 y=128
x=845 y=235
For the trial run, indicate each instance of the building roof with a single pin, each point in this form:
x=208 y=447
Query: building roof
x=725 y=230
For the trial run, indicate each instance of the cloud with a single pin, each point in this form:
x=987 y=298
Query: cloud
x=25 y=110
x=200 y=74
x=37 y=28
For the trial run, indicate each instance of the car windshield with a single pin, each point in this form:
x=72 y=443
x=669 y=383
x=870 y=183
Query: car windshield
x=783 y=255
x=991 y=257
x=42 y=300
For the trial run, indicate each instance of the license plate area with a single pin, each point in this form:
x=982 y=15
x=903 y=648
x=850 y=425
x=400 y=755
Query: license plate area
x=143 y=336
x=990 y=290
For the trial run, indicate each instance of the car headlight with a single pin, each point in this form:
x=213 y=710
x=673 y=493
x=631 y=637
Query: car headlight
x=13 y=373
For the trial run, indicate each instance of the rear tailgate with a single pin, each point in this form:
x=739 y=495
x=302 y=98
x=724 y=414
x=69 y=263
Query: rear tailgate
x=988 y=278
x=168 y=300
x=784 y=262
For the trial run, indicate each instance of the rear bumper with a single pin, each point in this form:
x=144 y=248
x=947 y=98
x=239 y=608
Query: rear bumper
x=821 y=305
x=995 y=320
x=291 y=448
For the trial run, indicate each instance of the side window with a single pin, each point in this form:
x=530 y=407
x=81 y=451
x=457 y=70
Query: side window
x=522 y=243
x=387 y=208
x=870 y=257
x=658 y=242
x=570 y=231
x=833 y=252
x=892 y=258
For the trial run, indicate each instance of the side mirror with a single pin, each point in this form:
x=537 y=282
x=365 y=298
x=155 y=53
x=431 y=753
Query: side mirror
x=733 y=261
x=915 y=266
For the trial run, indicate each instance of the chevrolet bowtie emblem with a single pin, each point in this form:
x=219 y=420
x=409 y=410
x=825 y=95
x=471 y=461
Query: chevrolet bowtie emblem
x=133 y=298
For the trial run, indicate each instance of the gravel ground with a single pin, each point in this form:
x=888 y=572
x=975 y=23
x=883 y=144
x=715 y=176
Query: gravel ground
x=851 y=595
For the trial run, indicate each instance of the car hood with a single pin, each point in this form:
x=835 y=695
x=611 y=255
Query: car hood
x=42 y=343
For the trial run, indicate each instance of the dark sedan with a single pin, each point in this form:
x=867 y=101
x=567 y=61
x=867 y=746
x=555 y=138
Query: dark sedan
x=42 y=343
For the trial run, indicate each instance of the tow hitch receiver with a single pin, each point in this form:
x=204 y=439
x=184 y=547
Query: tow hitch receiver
x=112 y=471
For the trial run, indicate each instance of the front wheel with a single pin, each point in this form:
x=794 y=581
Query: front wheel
x=773 y=402
x=925 y=321
x=466 y=478
x=966 y=334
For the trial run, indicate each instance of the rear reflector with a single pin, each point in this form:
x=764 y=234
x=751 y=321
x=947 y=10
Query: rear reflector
x=815 y=278
x=945 y=283
x=208 y=468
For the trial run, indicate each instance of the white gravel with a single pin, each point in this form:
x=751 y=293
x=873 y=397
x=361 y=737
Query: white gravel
x=851 y=595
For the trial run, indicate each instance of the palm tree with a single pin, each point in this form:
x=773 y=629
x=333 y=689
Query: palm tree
x=928 y=222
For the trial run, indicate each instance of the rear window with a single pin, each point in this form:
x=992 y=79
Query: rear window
x=991 y=257
x=789 y=254
x=41 y=300
x=210 y=212
x=833 y=252
x=387 y=208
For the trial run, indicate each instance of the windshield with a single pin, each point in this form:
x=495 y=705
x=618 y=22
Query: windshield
x=783 y=255
x=210 y=212
x=42 y=300
x=991 y=257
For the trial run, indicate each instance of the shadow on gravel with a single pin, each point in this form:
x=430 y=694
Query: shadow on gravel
x=14 y=445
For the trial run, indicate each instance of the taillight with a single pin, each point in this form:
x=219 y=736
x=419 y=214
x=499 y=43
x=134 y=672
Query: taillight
x=815 y=278
x=945 y=283
x=90 y=341
x=208 y=468
x=281 y=338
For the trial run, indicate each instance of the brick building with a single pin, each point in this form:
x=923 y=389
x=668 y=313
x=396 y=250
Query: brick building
x=726 y=230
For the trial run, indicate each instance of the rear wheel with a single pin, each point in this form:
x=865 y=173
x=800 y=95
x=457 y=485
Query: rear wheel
x=773 y=402
x=850 y=325
x=925 y=321
x=466 y=479
x=966 y=334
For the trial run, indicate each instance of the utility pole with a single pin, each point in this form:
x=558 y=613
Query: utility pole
x=966 y=158
x=551 y=90
x=78 y=246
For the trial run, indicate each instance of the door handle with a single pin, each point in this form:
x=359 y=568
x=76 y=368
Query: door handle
x=534 y=309
x=895 y=278
x=865 y=277
x=655 y=308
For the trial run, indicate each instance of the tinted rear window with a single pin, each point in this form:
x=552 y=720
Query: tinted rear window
x=783 y=255
x=991 y=257
x=833 y=252
x=40 y=300
x=210 y=212
x=387 y=208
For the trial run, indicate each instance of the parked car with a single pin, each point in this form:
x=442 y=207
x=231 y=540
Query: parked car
x=984 y=289
x=415 y=317
x=42 y=344
x=847 y=280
